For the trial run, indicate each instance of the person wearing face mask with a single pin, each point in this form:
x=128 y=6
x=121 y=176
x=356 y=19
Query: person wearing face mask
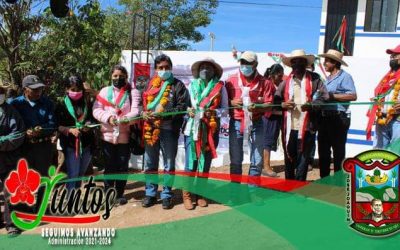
x=387 y=116
x=334 y=120
x=12 y=134
x=37 y=112
x=164 y=93
x=114 y=107
x=74 y=115
x=202 y=127
x=245 y=89
x=300 y=95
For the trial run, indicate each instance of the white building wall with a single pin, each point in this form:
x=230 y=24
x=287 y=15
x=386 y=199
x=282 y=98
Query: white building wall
x=366 y=72
x=370 y=44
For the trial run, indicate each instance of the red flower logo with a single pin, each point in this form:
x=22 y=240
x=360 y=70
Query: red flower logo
x=22 y=184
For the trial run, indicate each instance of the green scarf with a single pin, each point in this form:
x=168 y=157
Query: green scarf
x=78 y=123
x=156 y=101
x=198 y=91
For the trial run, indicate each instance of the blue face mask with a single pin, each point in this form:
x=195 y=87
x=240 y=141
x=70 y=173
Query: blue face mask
x=246 y=70
x=164 y=74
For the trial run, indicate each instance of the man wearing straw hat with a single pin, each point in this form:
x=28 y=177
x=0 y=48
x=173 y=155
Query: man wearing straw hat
x=12 y=134
x=334 y=121
x=387 y=115
x=299 y=110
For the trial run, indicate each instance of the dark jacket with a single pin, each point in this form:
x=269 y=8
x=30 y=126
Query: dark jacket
x=64 y=118
x=41 y=114
x=11 y=123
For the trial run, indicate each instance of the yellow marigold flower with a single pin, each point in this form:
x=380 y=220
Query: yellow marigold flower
x=382 y=121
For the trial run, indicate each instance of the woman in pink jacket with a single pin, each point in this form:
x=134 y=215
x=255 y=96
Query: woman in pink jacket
x=114 y=107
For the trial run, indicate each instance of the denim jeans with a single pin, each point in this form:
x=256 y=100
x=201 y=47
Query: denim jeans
x=116 y=162
x=299 y=151
x=168 y=143
x=386 y=134
x=256 y=144
x=76 y=166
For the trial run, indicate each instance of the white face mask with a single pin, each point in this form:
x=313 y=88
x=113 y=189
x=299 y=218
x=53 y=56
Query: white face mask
x=2 y=99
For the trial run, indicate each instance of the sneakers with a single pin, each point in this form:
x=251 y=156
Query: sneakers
x=167 y=203
x=149 y=201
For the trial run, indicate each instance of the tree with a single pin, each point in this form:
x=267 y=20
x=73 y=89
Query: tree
x=83 y=43
x=180 y=18
x=17 y=28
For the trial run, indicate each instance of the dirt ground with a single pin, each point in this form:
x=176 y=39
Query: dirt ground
x=133 y=214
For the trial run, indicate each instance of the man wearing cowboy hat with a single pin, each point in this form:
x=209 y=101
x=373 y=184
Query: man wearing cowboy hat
x=299 y=111
x=245 y=89
x=334 y=121
x=387 y=116
x=202 y=128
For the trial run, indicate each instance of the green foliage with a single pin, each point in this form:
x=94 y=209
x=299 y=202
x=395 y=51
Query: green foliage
x=359 y=174
x=83 y=44
x=89 y=41
x=377 y=172
x=180 y=19
x=18 y=26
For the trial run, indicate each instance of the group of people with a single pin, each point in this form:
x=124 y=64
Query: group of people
x=259 y=106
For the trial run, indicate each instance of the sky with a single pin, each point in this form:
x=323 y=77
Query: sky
x=261 y=25
x=264 y=28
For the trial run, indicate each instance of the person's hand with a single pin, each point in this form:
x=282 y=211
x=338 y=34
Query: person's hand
x=74 y=131
x=237 y=102
x=396 y=107
x=208 y=114
x=29 y=133
x=85 y=129
x=288 y=105
x=148 y=115
x=306 y=107
x=35 y=132
x=112 y=121
x=251 y=107
x=191 y=112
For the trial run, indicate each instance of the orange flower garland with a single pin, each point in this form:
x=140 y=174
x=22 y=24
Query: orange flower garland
x=385 y=120
x=152 y=128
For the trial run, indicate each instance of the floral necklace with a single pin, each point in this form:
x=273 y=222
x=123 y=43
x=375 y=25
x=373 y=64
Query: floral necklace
x=381 y=120
x=156 y=98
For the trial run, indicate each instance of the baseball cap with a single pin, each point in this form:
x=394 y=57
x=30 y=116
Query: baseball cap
x=249 y=56
x=32 y=82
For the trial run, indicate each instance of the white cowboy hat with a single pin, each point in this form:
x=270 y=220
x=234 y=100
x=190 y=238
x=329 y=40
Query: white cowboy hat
x=298 y=53
x=334 y=55
x=196 y=65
